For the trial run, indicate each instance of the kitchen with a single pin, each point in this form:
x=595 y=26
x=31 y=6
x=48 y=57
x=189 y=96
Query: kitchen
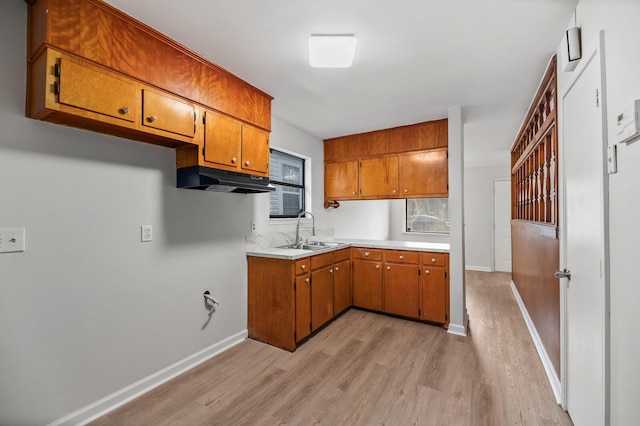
x=89 y=310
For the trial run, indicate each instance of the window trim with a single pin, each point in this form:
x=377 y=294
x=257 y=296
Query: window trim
x=303 y=186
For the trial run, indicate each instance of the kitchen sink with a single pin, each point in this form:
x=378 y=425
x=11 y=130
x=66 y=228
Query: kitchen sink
x=323 y=243
x=311 y=245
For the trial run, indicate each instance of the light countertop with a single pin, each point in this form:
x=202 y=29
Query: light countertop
x=293 y=254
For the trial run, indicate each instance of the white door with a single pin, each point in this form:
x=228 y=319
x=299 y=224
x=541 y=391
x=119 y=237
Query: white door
x=583 y=244
x=502 y=225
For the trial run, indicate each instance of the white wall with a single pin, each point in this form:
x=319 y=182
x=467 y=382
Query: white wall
x=353 y=219
x=619 y=20
x=457 y=290
x=479 y=216
x=88 y=309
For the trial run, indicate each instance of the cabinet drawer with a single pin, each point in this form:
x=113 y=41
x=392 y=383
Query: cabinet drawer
x=437 y=259
x=340 y=255
x=160 y=111
x=365 y=253
x=302 y=266
x=321 y=260
x=397 y=256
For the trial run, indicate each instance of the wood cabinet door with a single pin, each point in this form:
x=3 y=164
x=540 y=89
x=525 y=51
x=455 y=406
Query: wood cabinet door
x=222 y=137
x=341 y=180
x=303 y=307
x=255 y=150
x=424 y=173
x=367 y=284
x=164 y=112
x=379 y=177
x=402 y=289
x=94 y=91
x=341 y=286
x=434 y=294
x=321 y=296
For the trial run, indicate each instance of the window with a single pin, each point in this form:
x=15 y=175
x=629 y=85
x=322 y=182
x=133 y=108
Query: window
x=427 y=215
x=287 y=175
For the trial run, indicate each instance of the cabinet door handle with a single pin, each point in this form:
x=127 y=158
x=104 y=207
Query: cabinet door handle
x=233 y=160
x=401 y=257
x=331 y=271
x=426 y=272
x=306 y=280
x=152 y=119
x=303 y=266
x=337 y=269
x=353 y=193
x=366 y=254
x=405 y=190
x=125 y=110
x=246 y=163
x=394 y=191
x=388 y=268
x=433 y=260
x=377 y=266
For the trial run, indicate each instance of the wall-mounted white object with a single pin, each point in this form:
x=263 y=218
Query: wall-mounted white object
x=146 y=233
x=572 y=49
x=628 y=123
x=11 y=240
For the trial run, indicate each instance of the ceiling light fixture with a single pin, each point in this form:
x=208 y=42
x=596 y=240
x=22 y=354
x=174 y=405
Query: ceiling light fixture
x=332 y=50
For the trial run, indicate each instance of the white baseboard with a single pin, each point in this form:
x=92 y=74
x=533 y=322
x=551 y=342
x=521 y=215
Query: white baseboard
x=121 y=397
x=478 y=268
x=554 y=381
x=457 y=329
x=460 y=329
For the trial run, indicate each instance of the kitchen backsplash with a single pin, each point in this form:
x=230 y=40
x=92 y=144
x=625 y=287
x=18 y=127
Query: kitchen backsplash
x=255 y=241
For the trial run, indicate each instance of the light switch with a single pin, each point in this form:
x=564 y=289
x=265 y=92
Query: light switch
x=11 y=240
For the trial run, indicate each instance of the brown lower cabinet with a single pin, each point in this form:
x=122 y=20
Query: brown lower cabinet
x=435 y=287
x=302 y=290
x=367 y=278
x=321 y=290
x=342 y=294
x=290 y=299
x=402 y=284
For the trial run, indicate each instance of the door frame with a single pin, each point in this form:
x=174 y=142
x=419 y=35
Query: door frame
x=493 y=220
x=597 y=54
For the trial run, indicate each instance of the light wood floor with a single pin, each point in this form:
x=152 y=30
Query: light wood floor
x=370 y=369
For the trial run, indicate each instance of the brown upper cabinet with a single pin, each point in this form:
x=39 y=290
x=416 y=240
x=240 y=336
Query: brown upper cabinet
x=91 y=66
x=379 y=177
x=233 y=145
x=402 y=162
x=341 y=180
x=424 y=172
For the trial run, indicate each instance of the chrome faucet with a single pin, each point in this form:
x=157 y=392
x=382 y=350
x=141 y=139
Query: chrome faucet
x=313 y=229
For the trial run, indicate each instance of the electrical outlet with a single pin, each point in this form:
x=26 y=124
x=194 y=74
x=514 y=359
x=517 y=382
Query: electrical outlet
x=146 y=233
x=11 y=240
x=253 y=226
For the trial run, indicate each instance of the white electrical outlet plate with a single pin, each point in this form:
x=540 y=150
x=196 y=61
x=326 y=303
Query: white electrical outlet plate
x=253 y=226
x=612 y=159
x=146 y=233
x=11 y=240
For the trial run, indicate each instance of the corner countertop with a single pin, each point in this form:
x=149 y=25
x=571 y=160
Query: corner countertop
x=293 y=254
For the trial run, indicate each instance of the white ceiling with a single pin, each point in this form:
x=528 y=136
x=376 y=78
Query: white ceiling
x=415 y=58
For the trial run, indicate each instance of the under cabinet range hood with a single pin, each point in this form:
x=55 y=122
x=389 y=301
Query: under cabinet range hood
x=209 y=179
